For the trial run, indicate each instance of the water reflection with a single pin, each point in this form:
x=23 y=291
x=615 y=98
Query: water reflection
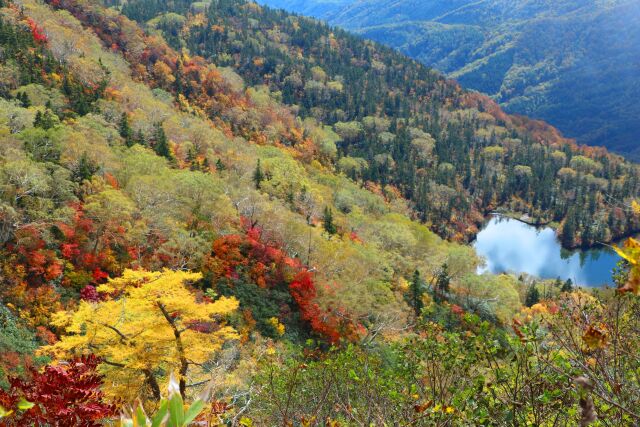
x=512 y=246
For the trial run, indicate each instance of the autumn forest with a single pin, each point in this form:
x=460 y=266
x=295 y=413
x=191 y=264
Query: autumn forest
x=219 y=214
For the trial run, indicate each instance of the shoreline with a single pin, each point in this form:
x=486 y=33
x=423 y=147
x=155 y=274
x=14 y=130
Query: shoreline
x=539 y=224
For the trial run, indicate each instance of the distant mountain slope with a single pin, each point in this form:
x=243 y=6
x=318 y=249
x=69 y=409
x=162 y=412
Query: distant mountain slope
x=319 y=8
x=571 y=63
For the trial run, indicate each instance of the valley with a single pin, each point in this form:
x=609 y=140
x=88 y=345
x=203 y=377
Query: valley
x=570 y=63
x=221 y=214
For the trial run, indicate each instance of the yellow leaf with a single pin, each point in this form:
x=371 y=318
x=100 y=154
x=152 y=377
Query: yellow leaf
x=595 y=337
x=4 y=413
x=624 y=255
x=24 y=404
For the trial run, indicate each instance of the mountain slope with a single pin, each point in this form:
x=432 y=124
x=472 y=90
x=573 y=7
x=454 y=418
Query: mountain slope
x=162 y=220
x=403 y=127
x=104 y=170
x=570 y=63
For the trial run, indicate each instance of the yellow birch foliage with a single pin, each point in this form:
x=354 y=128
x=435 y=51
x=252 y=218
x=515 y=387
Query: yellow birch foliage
x=631 y=254
x=134 y=331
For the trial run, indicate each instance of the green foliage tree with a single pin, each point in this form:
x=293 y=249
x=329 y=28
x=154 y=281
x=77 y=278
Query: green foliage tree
x=43 y=145
x=327 y=221
x=44 y=120
x=258 y=176
x=15 y=340
x=124 y=128
x=139 y=138
x=24 y=99
x=443 y=280
x=161 y=143
x=85 y=169
x=569 y=229
x=532 y=296
x=416 y=293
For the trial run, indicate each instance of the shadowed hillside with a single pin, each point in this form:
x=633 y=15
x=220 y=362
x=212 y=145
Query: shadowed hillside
x=570 y=63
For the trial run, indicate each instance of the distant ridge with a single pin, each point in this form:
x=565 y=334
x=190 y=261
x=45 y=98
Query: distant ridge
x=571 y=63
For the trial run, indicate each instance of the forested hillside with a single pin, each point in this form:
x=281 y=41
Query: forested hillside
x=570 y=63
x=399 y=125
x=244 y=228
x=106 y=176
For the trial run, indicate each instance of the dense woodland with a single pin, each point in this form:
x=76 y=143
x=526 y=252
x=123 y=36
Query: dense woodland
x=277 y=257
x=568 y=62
x=397 y=124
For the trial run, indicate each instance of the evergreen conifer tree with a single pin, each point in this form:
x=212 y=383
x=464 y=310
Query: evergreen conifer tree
x=258 y=176
x=533 y=296
x=327 y=221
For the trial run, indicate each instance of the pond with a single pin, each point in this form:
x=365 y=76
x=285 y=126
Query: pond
x=508 y=245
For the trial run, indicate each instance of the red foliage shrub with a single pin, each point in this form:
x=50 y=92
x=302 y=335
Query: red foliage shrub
x=269 y=267
x=69 y=392
x=456 y=309
x=303 y=290
x=90 y=294
x=36 y=31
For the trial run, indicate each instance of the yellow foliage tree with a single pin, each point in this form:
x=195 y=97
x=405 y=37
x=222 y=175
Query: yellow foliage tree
x=150 y=325
x=631 y=254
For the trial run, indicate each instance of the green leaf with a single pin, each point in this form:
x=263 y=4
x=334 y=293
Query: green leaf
x=176 y=411
x=162 y=414
x=193 y=411
x=141 y=417
x=25 y=405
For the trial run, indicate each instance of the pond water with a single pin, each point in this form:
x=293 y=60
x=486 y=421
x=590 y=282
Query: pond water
x=508 y=245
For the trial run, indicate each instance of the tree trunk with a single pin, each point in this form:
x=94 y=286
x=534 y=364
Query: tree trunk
x=184 y=364
x=153 y=384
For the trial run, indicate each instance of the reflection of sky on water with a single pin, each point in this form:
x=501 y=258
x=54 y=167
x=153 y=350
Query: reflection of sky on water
x=511 y=246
